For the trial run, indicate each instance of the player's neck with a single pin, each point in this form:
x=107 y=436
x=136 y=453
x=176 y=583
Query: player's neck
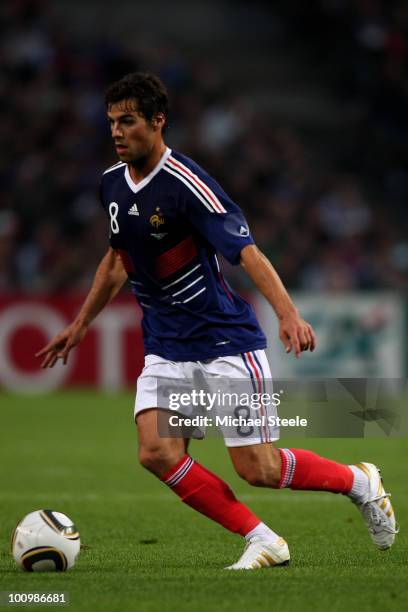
x=141 y=168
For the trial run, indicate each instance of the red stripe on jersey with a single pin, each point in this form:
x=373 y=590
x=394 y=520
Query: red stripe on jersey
x=169 y=262
x=199 y=183
x=126 y=260
x=224 y=286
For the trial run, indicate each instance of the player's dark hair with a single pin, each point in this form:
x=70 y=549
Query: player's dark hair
x=148 y=91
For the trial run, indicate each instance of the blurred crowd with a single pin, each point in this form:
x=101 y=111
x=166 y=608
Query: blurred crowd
x=335 y=222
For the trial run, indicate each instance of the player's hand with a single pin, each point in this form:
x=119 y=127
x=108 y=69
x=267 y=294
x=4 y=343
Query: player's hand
x=61 y=344
x=296 y=334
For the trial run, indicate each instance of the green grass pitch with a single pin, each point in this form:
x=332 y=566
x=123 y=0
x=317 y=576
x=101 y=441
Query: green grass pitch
x=145 y=550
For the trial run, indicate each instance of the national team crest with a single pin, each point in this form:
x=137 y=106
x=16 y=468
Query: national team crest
x=157 y=220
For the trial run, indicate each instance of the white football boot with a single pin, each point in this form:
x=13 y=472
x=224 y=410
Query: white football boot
x=376 y=508
x=259 y=553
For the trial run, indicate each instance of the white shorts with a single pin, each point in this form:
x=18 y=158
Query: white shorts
x=232 y=376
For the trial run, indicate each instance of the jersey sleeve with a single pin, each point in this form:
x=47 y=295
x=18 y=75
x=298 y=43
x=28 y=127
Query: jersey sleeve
x=216 y=216
x=112 y=238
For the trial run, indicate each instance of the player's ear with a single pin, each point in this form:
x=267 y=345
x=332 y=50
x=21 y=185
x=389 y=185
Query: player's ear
x=158 y=121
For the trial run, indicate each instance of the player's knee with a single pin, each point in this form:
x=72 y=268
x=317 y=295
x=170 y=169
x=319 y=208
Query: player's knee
x=158 y=459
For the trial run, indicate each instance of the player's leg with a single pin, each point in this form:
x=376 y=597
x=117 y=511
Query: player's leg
x=167 y=458
x=157 y=454
x=193 y=483
x=265 y=466
x=261 y=464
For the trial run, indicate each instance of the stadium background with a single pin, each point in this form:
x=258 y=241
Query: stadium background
x=309 y=137
x=297 y=108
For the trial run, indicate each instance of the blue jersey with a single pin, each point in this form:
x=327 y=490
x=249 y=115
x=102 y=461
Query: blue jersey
x=168 y=229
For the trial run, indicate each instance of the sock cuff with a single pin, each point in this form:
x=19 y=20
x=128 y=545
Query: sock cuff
x=360 y=482
x=288 y=467
x=178 y=471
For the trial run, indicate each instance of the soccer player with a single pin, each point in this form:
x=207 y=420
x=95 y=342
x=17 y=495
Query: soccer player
x=168 y=219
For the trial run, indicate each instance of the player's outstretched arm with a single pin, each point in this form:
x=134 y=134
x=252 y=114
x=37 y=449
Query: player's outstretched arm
x=109 y=278
x=294 y=332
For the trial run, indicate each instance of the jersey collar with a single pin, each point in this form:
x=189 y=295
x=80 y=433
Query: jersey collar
x=137 y=187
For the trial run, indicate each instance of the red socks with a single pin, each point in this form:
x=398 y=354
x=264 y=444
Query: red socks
x=302 y=469
x=208 y=494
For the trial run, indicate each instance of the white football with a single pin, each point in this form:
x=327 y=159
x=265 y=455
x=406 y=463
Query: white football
x=45 y=541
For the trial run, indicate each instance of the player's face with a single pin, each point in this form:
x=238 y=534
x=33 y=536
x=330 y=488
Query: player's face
x=134 y=136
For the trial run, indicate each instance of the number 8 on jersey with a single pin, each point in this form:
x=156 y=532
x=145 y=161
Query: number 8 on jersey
x=113 y=211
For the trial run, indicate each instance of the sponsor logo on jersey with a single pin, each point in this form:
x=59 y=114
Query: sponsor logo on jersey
x=133 y=210
x=243 y=231
x=159 y=236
